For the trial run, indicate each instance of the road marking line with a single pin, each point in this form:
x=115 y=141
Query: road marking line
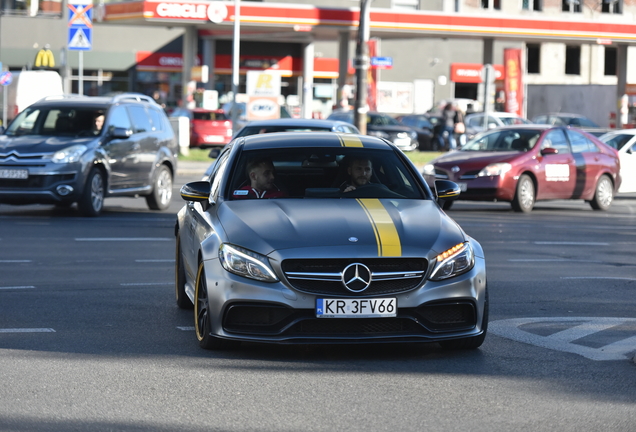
x=572 y=243
x=553 y=260
x=17 y=287
x=562 y=341
x=15 y=261
x=146 y=284
x=598 y=277
x=186 y=328
x=27 y=330
x=96 y=239
x=155 y=261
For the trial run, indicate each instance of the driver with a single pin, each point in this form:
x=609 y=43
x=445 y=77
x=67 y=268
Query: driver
x=261 y=174
x=360 y=171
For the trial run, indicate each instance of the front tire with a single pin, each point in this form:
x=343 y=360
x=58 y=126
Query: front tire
x=180 y=279
x=604 y=194
x=159 y=198
x=202 y=319
x=524 y=196
x=91 y=202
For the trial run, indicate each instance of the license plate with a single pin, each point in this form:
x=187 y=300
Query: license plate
x=213 y=138
x=14 y=174
x=356 y=308
x=463 y=186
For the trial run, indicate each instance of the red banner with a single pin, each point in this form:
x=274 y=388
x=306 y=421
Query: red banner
x=513 y=83
x=372 y=77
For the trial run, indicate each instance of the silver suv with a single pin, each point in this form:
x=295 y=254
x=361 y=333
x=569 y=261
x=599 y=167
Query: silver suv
x=77 y=149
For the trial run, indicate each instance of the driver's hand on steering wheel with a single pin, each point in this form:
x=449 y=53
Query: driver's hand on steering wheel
x=349 y=188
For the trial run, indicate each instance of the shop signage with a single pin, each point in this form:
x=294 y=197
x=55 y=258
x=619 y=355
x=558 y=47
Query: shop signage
x=513 y=85
x=263 y=83
x=472 y=72
x=213 y=11
x=263 y=108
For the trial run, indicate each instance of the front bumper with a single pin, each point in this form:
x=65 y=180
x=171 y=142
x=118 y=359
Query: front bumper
x=246 y=310
x=46 y=184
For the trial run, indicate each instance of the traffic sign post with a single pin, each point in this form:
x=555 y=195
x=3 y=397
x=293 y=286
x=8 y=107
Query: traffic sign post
x=80 y=33
x=5 y=80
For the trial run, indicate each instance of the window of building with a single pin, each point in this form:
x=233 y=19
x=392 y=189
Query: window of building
x=535 y=5
x=573 y=60
x=405 y=4
x=31 y=8
x=491 y=4
x=533 y=58
x=612 y=6
x=571 y=5
x=610 y=61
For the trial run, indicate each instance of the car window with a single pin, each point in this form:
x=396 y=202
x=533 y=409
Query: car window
x=210 y=116
x=140 y=118
x=55 y=121
x=504 y=140
x=475 y=121
x=586 y=122
x=322 y=172
x=118 y=118
x=616 y=140
x=381 y=120
x=540 y=120
x=217 y=174
x=156 y=119
x=556 y=139
x=580 y=143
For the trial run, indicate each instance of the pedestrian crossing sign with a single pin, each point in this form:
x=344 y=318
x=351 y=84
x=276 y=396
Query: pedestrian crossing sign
x=79 y=38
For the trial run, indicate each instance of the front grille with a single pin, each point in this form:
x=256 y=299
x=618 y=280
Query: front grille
x=324 y=276
x=356 y=326
x=247 y=318
x=35 y=181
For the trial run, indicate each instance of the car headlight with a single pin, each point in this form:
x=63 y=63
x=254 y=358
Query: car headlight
x=429 y=169
x=69 y=154
x=496 y=169
x=380 y=134
x=413 y=135
x=246 y=263
x=455 y=261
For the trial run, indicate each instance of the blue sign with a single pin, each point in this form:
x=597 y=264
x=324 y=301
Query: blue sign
x=382 y=62
x=80 y=27
x=6 y=78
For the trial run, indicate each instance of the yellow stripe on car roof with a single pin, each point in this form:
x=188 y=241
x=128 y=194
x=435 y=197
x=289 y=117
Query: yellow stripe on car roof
x=386 y=234
x=347 y=140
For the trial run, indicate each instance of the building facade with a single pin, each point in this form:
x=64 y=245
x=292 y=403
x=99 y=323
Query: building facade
x=573 y=49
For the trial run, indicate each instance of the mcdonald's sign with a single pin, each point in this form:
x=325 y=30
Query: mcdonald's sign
x=44 y=59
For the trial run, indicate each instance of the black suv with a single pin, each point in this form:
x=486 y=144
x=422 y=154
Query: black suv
x=77 y=149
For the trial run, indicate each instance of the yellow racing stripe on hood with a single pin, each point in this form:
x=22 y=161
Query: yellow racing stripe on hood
x=385 y=232
x=347 y=140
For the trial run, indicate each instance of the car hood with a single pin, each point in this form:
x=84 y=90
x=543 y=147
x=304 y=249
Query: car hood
x=339 y=227
x=38 y=144
x=476 y=157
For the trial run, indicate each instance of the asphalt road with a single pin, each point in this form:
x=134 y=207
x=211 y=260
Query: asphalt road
x=91 y=340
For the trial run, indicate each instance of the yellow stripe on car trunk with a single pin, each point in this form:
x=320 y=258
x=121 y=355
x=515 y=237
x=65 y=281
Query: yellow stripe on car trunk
x=350 y=140
x=385 y=232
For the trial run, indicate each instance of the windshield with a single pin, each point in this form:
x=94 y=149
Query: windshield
x=209 y=116
x=504 y=140
x=514 y=120
x=617 y=141
x=322 y=172
x=57 y=121
x=381 y=120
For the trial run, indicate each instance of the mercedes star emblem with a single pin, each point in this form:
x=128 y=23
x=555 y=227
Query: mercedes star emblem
x=356 y=277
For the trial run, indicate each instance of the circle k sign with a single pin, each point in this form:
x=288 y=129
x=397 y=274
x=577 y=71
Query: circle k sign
x=214 y=11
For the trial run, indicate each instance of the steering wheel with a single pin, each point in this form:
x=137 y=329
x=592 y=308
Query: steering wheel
x=372 y=190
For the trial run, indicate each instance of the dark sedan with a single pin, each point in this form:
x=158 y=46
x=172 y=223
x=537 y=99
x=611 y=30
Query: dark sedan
x=424 y=126
x=383 y=126
x=527 y=163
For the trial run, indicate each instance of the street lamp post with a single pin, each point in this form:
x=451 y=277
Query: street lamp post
x=236 y=52
x=361 y=64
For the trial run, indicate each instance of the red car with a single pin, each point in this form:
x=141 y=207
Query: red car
x=208 y=128
x=523 y=164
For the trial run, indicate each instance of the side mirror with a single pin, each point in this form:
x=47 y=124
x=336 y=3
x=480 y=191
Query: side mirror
x=197 y=191
x=446 y=190
x=549 y=151
x=121 y=133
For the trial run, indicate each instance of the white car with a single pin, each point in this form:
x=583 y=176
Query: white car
x=625 y=142
x=475 y=122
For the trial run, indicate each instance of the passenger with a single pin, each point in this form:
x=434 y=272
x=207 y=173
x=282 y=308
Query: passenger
x=261 y=174
x=98 y=124
x=360 y=171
